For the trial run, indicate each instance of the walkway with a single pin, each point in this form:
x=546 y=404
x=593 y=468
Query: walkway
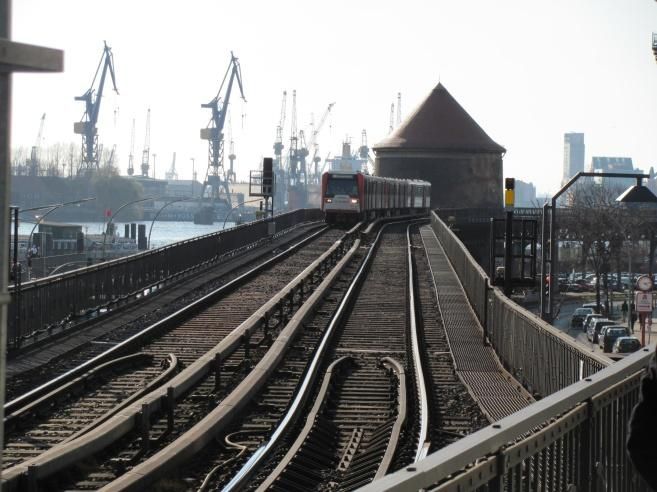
x=496 y=391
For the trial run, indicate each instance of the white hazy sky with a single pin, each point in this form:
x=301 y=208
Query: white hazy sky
x=526 y=70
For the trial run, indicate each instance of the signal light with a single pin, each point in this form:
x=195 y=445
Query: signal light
x=509 y=192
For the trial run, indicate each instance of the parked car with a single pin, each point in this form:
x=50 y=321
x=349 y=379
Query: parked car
x=589 y=319
x=595 y=327
x=591 y=305
x=626 y=345
x=579 y=315
x=609 y=336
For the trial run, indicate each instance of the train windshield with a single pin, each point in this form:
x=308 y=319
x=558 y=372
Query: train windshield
x=342 y=184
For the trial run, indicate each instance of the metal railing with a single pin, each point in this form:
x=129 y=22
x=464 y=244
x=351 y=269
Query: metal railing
x=572 y=439
x=48 y=301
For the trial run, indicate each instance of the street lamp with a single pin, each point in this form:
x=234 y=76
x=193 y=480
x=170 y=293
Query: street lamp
x=51 y=209
x=634 y=194
x=115 y=214
x=236 y=207
x=158 y=214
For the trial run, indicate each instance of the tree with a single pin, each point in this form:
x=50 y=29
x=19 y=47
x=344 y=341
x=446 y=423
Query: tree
x=112 y=191
x=596 y=223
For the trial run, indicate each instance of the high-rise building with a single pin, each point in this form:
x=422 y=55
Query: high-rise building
x=525 y=194
x=573 y=155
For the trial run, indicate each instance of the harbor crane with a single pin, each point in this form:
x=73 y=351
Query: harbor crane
x=398 y=108
x=34 y=167
x=216 y=178
x=145 y=155
x=172 y=174
x=87 y=126
x=131 y=157
x=392 y=118
x=312 y=144
x=278 y=143
x=279 y=169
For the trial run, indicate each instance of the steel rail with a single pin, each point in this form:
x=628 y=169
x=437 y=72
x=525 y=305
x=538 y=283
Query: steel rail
x=306 y=385
x=173 y=366
x=423 y=444
x=320 y=402
x=60 y=391
x=402 y=414
x=163 y=323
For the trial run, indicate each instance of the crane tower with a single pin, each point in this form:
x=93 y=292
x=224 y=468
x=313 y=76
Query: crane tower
x=131 y=157
x=145 y=155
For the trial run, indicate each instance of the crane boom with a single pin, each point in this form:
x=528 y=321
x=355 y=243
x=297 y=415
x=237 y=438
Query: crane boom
x=34 y=153
x=87 y=126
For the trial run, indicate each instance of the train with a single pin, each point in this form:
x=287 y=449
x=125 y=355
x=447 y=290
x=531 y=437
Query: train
x=354 y=196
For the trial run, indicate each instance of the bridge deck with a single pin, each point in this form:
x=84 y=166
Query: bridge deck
x=496 y=391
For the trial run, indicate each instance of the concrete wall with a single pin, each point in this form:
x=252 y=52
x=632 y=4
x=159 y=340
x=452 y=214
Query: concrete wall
x=457 y=180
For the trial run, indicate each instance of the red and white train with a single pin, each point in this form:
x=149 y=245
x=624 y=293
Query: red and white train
x=350 y=196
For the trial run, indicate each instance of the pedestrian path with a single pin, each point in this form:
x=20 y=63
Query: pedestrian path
x=495 y=390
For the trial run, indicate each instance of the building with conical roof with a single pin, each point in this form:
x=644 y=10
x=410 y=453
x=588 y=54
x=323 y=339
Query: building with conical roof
x=441 y=143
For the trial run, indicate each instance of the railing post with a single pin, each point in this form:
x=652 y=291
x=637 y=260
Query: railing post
x=585 y=450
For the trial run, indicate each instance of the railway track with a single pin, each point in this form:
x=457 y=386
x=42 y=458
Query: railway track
x=246 y=432
x=91 y=337
x=190 y=340
x=330 y=385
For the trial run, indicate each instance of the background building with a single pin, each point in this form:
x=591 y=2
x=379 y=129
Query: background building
x=615 y=165
x=525 y=194
x=573 y=155
x=441 y=143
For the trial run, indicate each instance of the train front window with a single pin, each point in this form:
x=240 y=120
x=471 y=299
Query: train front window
x=342 y=185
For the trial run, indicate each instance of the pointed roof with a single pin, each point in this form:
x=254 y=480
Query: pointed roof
x=440 y=123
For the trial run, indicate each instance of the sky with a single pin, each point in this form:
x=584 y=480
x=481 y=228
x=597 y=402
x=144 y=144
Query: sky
x=526 y=71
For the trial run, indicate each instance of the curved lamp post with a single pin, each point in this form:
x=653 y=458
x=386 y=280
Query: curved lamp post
x=236 y=207
x=158 y=214
x=52 y=208
x=115 y=214
x=550 y=254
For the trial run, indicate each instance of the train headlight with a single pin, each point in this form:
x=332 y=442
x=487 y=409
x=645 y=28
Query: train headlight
x=354 y=200
x=328 y=200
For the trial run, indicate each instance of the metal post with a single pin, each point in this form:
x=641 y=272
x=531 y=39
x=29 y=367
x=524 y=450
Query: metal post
x=545 y=307
x=18 y=278
x=5 y=176
x=508 y=253
x=554 y=258
x=630 y=292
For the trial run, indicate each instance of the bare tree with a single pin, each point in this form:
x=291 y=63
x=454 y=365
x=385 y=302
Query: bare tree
x=597 y=222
